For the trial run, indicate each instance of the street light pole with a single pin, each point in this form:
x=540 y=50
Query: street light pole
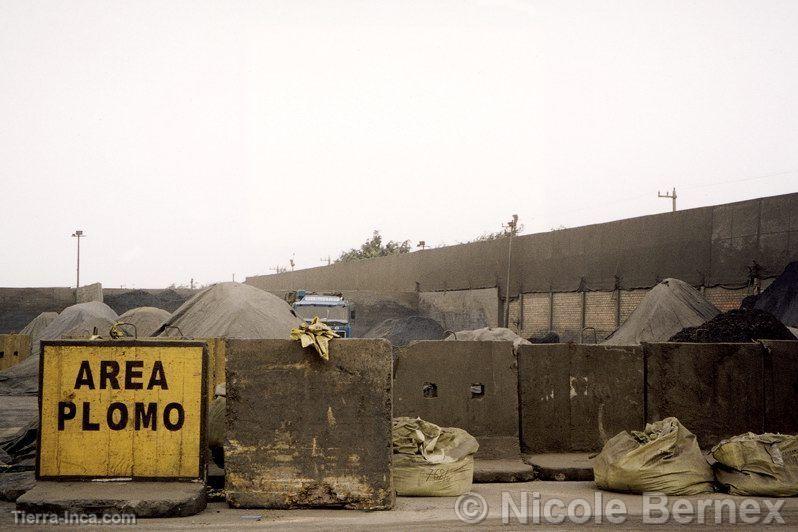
x=78 y=234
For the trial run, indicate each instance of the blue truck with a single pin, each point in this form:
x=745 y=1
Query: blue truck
x=331 y=308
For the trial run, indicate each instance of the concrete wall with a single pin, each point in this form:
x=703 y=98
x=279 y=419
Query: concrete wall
x=708 y=246
x=574 y=397
x=89 y=293
x=18 y=306
x=305 y=432
x=459 y=310
x=453 y=368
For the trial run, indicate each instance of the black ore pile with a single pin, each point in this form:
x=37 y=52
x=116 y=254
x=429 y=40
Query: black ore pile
x=740 y=325
x=402 y=331
x=780 y=298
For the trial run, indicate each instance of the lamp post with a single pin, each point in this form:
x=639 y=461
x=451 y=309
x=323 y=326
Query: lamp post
x=78 y=234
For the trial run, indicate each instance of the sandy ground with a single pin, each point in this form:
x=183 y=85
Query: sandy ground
x=439 y=513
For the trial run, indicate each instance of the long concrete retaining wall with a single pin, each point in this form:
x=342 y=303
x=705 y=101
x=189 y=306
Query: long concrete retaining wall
x=708 y=246
x=574 y=397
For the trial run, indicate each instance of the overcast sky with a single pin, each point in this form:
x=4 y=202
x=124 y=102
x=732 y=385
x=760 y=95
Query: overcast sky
x=203 y=139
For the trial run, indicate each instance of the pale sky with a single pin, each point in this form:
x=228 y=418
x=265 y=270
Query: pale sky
x=203 y=139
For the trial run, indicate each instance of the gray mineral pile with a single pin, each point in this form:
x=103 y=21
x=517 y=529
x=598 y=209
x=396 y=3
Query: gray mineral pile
x=77 y=321
x=668 y=308
x=231 y=310
x=493 y=334
x=145 y=320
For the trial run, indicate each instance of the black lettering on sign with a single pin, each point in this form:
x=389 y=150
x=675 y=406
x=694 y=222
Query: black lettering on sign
x=131 y=373
x=84 y=376
x=122 y=409
x=66 y=411
x=109 y=369
x=145 y=418
x=181 y=416
x=158 y=377
x=87 y=424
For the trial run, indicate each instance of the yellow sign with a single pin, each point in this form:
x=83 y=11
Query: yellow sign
x=122 y=409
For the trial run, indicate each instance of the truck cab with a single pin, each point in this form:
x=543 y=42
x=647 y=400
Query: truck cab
x=332 y=309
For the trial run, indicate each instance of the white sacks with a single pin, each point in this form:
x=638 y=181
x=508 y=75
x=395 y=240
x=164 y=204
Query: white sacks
x=758 y=464
x=431 y=461
x=664 y=458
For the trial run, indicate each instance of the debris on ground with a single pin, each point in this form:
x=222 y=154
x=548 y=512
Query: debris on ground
x=762 y=465
x=666 y=309
x=18 y=451
x=146 y=320
x=738 y=325
x=12 y=485
x=402 y=331
x=780 y=298
x=664 y=457
x=38 y=325
x=231 y=310
x=550 y=337
x=492 y=334
x=431 y=461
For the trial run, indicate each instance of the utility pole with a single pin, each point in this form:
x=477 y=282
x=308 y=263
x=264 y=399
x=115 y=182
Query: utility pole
x=672 y=196
x=78 y=234
x=328 y=260
x=291 y=262
x=422 y=244
x=511 y=228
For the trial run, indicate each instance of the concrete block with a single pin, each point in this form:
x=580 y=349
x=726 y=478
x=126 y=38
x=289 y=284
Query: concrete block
x=88 y=293
x=305 y=432
x=575 y=397
x=561 y=466
x=502 y=470
x=441 y=381
x=781 y=386
x=142 y=499
x=715 y=390
x=14 y=348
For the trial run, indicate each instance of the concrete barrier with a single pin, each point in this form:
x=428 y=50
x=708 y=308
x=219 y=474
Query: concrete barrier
x=574 y=397
x=14 y=348
x=716 y=390
x=781 y=386
x=470 y=385
x=305 y=432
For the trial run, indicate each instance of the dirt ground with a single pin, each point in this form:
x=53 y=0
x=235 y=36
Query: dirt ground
x=432 y=513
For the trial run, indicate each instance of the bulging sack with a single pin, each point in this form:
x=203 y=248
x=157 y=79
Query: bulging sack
x=431 y=461
x=414 y=476
x=758 y=464
x=664 y=458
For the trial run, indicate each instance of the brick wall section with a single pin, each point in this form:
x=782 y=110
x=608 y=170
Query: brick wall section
x=568 y=315
x=514 y=323
x=536 y=314
x=600 y=314
x=726 y=299
x=629 y=301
